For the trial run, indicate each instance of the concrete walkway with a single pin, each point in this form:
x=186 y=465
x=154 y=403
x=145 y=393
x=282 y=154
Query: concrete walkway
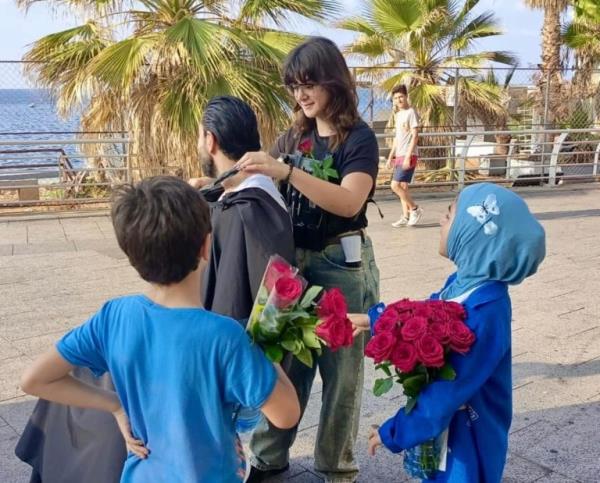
x=54 y=272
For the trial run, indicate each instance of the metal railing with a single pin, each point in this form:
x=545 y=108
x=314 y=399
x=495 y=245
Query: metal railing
x=539 y=156
x=42 y=173
x=54 y=172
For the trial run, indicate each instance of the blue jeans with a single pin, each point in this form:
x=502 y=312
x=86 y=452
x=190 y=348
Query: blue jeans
x=342 y=372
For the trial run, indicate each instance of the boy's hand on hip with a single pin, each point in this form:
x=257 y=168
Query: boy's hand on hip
x=136 y=446
x=374 y=439
x=388 y=164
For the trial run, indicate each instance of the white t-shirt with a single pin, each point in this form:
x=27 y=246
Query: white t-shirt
x=405 y=121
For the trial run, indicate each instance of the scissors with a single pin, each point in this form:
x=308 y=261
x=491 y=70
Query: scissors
x=213 y=191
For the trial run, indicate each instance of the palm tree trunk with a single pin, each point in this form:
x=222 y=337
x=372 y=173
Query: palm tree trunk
x=551 y=40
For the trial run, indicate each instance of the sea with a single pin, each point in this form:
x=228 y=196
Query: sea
x=31 y=115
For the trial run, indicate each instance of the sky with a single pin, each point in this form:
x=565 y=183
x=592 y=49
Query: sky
x=18 y=29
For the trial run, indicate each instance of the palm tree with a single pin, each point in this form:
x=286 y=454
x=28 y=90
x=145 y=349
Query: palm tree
x=431 y=41
x=150 y=66
x=582 y=35
x=551 y=34
x=550 y=79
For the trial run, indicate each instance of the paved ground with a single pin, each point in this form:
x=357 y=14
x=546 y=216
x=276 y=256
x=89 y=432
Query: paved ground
x=56 y=272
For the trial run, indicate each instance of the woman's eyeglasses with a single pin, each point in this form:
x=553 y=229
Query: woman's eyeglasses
x=295 y=88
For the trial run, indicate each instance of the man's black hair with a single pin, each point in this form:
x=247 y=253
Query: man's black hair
x=234 y=124
x=161 y=224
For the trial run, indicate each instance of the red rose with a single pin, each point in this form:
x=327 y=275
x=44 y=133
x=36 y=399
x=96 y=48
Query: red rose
x=440 y=315
x=424 y=310
x=380 y=347
x=287 y=291
x=336 y=332
x=387 y=322
x=414 y=328
x=440 y=331
x=333 y=302
x=275 y=271
x=455 y=310
x=461 y=337
x=305 y=147
x=430 y=351
x=403 y=305
x=404 y=356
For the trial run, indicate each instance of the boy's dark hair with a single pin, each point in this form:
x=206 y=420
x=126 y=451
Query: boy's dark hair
x=161 y=224
x=234 y=124
x=400 y=89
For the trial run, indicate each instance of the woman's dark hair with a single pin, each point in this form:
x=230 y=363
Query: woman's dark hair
x=234 y=124
x=161 y=224
x=318 y=60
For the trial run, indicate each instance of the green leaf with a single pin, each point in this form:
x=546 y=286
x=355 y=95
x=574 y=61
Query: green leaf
x=310 y=338
x=413 y=385
x=410 y=404
x=289 y=345
x=296 y=314
x=385 y=367
x=263 y=295
x=332 y=173
x=271 y=323
x=311 y=294
x=255 y=331
x=274 y=353
x=447 y=373
x=382 y=386
x=305 y=356
x=310 y=321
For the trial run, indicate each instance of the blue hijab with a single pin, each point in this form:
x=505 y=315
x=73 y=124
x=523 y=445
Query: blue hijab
x=493 y=236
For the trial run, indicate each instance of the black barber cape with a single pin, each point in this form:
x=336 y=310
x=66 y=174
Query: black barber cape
x=248 y=227
x=66 y=444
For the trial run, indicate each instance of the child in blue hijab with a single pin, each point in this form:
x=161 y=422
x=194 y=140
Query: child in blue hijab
x=494 y=241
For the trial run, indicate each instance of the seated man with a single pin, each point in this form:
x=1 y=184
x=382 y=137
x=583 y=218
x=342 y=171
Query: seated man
x=250 y=223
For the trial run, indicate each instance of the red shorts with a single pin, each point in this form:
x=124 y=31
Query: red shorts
x=399 y=161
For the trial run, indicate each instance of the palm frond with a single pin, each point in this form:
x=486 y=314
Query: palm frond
x=357 y=24
x=397 y=17
x=119 y=64
x=484 y=25
x=279 y=10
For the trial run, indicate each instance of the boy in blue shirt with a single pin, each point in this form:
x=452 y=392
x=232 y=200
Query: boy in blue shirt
x=180 y=372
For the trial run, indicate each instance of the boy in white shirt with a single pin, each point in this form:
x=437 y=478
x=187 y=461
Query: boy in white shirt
x=403 y=156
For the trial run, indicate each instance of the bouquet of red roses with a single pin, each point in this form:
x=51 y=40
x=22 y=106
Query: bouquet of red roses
x=412 y=342
x=290 y=316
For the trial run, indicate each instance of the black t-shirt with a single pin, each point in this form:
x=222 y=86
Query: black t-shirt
x=359 y=153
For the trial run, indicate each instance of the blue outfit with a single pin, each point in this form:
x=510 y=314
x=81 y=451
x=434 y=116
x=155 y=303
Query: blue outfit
x=180 y=373
x=494 y=241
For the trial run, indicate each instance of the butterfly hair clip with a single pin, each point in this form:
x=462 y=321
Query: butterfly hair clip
x=483 y=213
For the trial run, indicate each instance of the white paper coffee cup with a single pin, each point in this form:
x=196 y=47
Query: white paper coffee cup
x=352 y=249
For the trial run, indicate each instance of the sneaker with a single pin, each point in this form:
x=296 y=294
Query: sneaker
x=401 y=222
x=415 y=216
x=257 y=475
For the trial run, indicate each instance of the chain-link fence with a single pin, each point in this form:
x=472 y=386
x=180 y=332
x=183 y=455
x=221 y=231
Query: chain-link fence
x=503 y=125
x=519 y=98
x=25 y=108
